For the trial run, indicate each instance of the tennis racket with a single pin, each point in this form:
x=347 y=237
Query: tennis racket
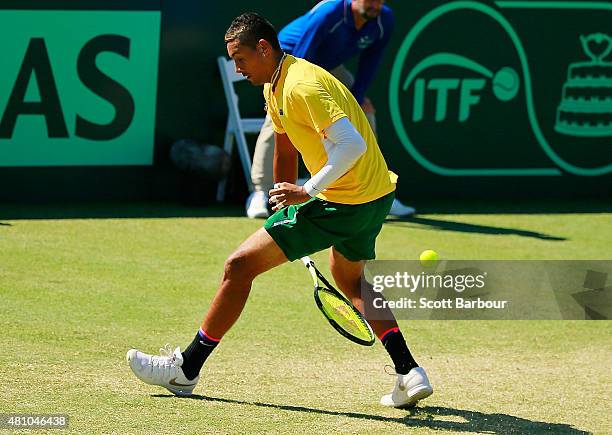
x=338 y=310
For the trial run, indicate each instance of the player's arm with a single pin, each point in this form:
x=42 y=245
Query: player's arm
x=285 y=159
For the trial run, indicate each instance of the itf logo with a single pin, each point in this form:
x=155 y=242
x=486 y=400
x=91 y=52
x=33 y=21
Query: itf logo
x=504 y=83
x=474 y=89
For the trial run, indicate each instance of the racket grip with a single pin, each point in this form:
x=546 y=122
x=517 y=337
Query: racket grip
x=306 y=260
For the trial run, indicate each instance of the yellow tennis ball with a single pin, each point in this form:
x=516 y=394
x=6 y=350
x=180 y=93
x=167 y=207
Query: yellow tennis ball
x=429 y=258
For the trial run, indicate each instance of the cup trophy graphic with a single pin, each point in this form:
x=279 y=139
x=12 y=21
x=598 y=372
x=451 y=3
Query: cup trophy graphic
x=586 y=104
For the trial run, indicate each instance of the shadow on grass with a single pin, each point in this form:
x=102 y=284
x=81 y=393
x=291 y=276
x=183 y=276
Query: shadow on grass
x=443 y=225
x=426 y=417
x=512 y=206
x=4 y=224
x=116 y=210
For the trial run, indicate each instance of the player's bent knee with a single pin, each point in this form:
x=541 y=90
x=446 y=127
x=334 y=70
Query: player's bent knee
x=240 y=266
x=236 y=266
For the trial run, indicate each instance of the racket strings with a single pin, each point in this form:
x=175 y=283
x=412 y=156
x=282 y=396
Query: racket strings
x=343 y=314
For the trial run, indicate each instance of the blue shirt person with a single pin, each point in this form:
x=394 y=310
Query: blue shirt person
x=328 y=35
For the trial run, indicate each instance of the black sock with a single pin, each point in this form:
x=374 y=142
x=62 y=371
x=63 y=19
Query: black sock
x=394 y=343
x=196 y=353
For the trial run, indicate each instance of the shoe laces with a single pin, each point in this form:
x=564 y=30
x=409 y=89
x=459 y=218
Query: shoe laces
x=165 y=359
x=400 y=382
x=391 y=370
x=166 y=351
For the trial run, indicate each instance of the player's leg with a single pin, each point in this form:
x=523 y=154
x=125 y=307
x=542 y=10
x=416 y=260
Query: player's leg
x=256 y=255
x=179 y=372
x=412 y=383
x=261 y=172
x=347 y=275
x=347 y=264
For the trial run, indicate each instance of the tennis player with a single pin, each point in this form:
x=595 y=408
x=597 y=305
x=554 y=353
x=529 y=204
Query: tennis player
x=329 y=34
x=342 y=206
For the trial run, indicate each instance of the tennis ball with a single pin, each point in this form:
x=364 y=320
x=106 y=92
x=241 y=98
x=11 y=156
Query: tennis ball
x=429 y=258
x=506 y=84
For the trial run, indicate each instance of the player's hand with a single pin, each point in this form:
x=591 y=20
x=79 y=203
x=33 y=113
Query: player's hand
x=367 y=106
x=285 y=194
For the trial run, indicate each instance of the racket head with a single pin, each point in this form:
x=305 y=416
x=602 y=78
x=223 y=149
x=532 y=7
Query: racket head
x=338 y=310
x=343 y=316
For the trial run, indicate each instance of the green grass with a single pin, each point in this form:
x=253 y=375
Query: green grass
x=77 y=293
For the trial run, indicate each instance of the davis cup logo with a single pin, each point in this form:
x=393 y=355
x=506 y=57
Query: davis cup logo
x=586 y=105
x=471 y=81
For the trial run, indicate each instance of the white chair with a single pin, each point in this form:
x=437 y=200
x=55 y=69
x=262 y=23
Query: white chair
x=237 y=126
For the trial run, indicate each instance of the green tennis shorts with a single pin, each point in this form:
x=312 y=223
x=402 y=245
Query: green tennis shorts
x=315 y=225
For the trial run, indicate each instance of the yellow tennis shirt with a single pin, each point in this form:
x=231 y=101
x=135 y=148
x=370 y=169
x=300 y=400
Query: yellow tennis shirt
x=306 y=100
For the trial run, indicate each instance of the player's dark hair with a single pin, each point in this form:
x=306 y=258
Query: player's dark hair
x=249 y=28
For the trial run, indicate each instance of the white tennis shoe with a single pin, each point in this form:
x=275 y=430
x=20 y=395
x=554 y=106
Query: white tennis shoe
x=257 y=205
x=400 y=210
x=163 y=370
x=409 y=389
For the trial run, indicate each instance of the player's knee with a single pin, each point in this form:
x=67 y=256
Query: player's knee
x=236 y=266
